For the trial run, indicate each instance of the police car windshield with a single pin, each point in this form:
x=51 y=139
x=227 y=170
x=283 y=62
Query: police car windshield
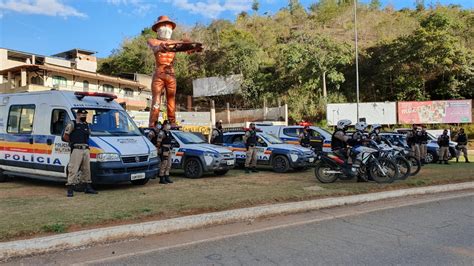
x=110 y=122
x=272 y=139
x=189 y=138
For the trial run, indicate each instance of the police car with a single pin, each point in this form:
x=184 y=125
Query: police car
x=320 y=139
x=195 y=156
x=272 y=151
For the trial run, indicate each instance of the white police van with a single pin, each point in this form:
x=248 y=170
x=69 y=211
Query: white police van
x=191 y=153
x=31 y=125
x=272 y=151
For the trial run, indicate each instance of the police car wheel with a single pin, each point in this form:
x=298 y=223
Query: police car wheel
x=193 y=168
x=140 y=182
x=221 y=172
x=280 y=164
x=431 y=157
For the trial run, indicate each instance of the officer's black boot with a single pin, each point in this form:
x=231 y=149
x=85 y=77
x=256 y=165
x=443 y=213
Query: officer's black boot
x=440 y=161
x=162 y=180
x=457 y=160
x=247 y=170
x=446 y=162
x=254 y=170
x=89 y=189
x=79 y=187
x=70 y=191
x=168 y=180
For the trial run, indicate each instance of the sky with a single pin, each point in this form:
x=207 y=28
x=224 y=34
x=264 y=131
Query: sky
x=47 y=27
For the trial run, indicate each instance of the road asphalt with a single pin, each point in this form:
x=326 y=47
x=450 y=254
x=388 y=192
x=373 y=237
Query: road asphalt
x=427 y=230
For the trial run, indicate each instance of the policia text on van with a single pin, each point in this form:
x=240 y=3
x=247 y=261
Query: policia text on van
x=31 y=125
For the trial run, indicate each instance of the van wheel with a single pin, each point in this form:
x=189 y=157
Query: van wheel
x=3 y=177
x=221 y=172
x=431 y=157
x=280 y=164
x=193 y=168
x=140 y=182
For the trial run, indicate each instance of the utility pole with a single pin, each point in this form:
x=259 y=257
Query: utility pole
x=357 y=57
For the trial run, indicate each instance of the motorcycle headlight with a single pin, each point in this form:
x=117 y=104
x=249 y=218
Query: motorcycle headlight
x=153 y=154
x=108 y=157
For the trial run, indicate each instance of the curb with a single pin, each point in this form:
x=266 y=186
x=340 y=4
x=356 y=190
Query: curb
x=88 y=237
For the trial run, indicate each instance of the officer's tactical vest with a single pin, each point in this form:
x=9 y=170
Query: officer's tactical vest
x=337 y=143
x=219 y=139
x=252 y=139
x=80 y=133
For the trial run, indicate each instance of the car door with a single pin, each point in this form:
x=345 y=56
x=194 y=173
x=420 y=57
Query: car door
x=19 y=141
x=236 y=144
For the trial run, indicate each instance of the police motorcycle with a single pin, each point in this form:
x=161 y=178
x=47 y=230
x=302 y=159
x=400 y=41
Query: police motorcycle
x=367 y=163
x=398 y=143
x=387 y=150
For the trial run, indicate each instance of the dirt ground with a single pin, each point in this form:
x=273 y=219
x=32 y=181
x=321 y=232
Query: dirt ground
x=31 y=207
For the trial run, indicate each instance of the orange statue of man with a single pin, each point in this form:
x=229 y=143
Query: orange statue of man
x=164 y=79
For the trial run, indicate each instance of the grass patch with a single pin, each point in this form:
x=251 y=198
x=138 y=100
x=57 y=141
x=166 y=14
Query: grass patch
x=32 y=208
x=54 y=228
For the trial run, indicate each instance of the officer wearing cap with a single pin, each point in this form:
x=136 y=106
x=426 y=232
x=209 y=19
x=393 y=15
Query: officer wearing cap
x=250 y=140
x=217 y=136
x=305 y=137
x=163 y=144
x=77 y=134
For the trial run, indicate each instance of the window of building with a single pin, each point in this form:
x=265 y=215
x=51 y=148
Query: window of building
x=59 y=120
x=59 y=81
x=128 y=92
x=85 y=85
x=37 y=80
x=108 y=88
x=20 y=119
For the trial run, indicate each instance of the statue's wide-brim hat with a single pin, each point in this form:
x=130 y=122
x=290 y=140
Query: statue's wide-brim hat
x=162 y=20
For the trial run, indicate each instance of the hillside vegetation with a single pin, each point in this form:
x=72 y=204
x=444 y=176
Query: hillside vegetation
x=296 y=54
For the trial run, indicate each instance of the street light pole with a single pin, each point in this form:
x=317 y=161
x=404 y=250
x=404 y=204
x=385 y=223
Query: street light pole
x=357 y=57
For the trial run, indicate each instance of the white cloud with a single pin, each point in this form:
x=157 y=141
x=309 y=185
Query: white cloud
x=139 y=7
x=212 y=8
x=40 y=7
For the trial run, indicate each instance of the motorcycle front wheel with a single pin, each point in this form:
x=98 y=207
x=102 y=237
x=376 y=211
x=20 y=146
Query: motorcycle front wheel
x=415 y=164
x=404 y=167
x=384 y=170
x=321 y=173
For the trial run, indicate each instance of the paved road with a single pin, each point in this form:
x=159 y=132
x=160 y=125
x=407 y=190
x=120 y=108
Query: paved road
x=435 y=231
x=440 y=233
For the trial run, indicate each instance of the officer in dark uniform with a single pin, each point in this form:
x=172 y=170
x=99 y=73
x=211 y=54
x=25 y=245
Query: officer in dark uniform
x=305 y=137
x=153 y=135
x=163 y=143
x=443 y=142
x=424 y=144
x=339 y=138
x=461 y=139
x=217 y=136
x=250 y=140
x=77 y=135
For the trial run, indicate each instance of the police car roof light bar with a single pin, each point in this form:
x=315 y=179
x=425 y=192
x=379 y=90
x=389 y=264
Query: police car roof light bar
x=108 y=96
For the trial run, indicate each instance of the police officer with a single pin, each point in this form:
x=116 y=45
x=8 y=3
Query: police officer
x=305 y=137
x=443 y=142
x=424 y=144
x=461 y=139
x=339 y=138
x=217 y=136
x=250 y=140
x=77 y=135
x=411 y=137
x=374 y=134
x=153 y=135
x=163 y=144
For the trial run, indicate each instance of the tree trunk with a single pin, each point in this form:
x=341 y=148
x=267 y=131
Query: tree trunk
x=325 y=93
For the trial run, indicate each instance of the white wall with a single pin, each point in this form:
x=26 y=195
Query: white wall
x=375 y=113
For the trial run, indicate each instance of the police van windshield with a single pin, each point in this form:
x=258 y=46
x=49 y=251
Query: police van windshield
x=110 y=122
x=189 y=138
x=272 y=139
